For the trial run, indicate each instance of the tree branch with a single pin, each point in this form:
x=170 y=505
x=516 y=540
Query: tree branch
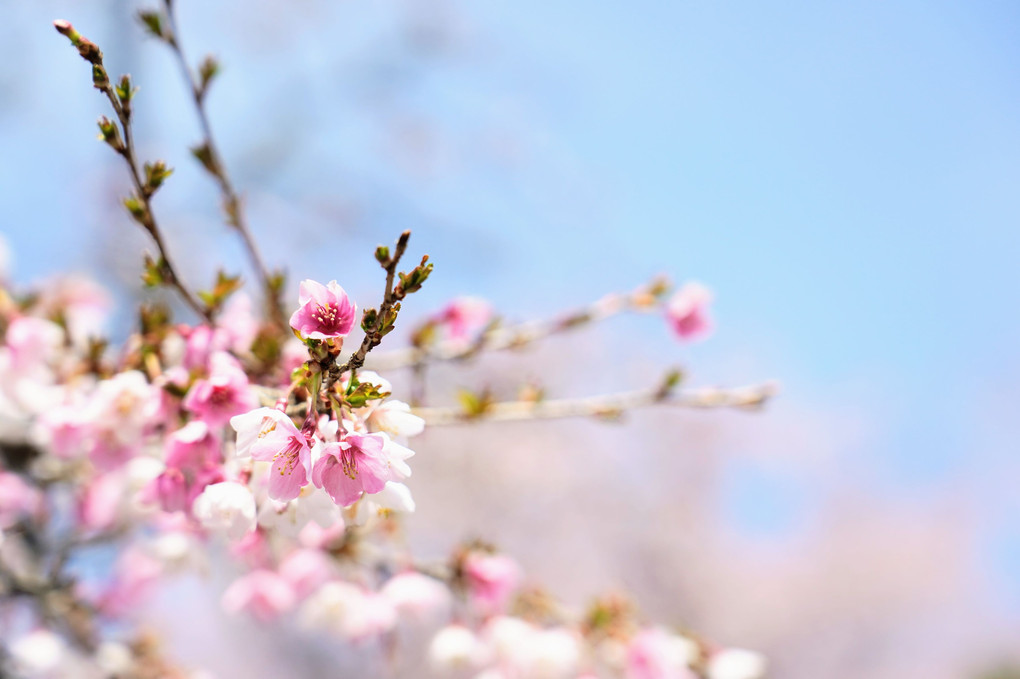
x=141 y=206
x=378 y=322
x=607 y=406
x=208 y=154
x=644 y=300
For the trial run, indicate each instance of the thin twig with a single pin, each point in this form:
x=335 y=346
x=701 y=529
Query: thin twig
x=146 y=217
x=374 y=335
x=498 y=338
x=607 y=406
x=214 y=164
x=149 y=218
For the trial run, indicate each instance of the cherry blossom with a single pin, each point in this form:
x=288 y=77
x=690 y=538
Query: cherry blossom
x=325 y=313
x=226 y=507
x=221 y=395
x=354 y=465
x=736 y=663
x=491 y=579
x=687 y=312
x=657 y=654
x=268 y=435
x=263 y=593
x=465 y=317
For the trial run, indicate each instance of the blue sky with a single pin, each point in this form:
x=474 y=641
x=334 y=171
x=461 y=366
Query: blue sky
x=844 y=175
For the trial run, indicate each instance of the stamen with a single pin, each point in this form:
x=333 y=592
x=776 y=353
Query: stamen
x=349 y=463
x=268 y=425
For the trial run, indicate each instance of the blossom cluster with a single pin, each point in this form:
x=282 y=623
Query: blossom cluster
x=223 y=436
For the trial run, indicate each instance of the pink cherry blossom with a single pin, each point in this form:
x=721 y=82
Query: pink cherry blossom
x=110 y=451
x=349 y=611
x=465 y=317
x=306 y=570
x=687 y=312
x=239 y=322
x=169 y=490
x=657 y=654
x=253 y=549
x=314 y=536
x=17 y=499
x=201 y=344
x=175 y=489
x=269 y=435
x=491 y=579
x=325 y=312
x=227 y=508
x=65 y=428
x=81 y=302
x=134 y=576
x=417 y=596
x=32 y=342
x=223 y=394
x=257 y=424
x=292 y=355
x=193 y=446
x=736 y=663
x=263 y=593
x=100 y=505
x=353 y=465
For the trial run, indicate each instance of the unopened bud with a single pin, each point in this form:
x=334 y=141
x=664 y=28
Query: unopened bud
x=125 y=92
x=137 y=208
x=66 y=29
x=86 y=48
x=153 y=23
x=207 y=70
x=155 y=174
x=99 y=78
x=203 y=153
x=110 y=133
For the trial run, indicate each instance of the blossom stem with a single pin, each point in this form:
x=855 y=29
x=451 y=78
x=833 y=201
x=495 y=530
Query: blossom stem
x=373 y=335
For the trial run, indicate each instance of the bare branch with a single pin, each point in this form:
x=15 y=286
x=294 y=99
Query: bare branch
x=379 y=322
x=605 y=406
x=208 y=154
x=645 y=299
x=141 y=205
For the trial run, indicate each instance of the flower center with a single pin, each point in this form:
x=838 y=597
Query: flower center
x=349 y=463
x=328 y=315
x=220 y=395
x=288 y=457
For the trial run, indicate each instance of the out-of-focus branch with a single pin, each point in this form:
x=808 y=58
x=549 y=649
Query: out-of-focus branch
x=208 y=154
x=498 y=338
x=140 y=205
x=609 y=406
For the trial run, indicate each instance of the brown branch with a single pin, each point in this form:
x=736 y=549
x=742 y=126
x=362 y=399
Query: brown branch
x=143 y=190
x=606 y=406
x=375 y=333
x=499 y=338
x=209 y=155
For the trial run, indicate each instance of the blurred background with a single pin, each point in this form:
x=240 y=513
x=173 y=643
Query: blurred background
x=843 y=175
